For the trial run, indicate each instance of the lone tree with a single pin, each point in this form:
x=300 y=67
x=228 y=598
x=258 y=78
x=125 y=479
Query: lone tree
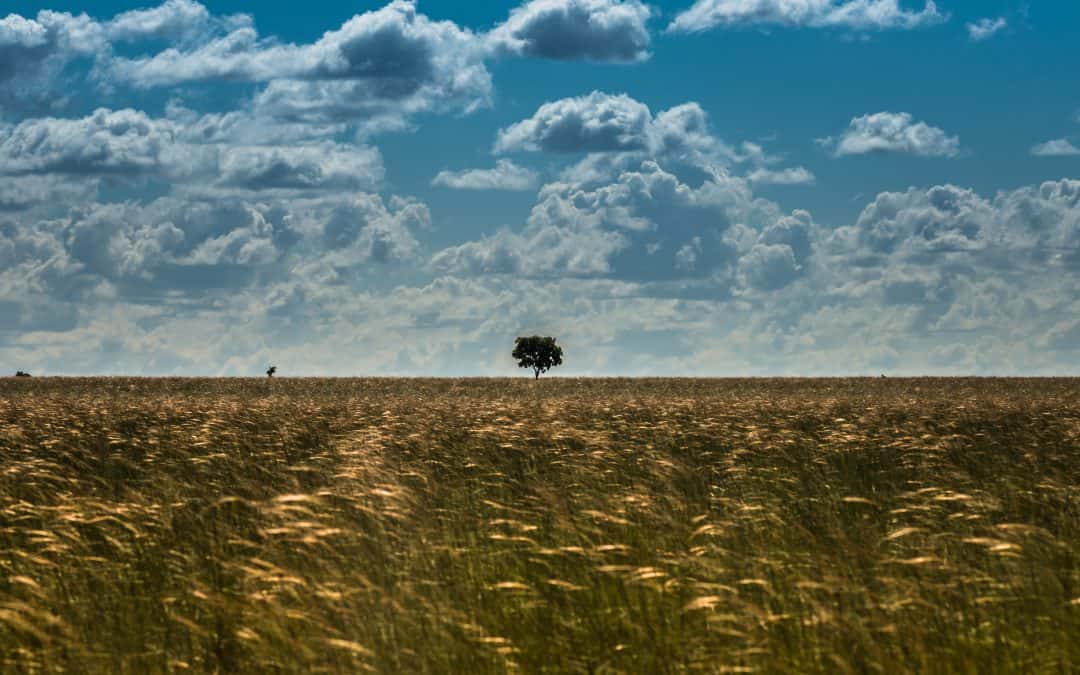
x=270 y=371
x=539 y=353
x=20 y=373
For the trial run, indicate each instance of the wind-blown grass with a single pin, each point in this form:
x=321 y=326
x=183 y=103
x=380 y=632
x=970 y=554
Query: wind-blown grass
x=564 y=525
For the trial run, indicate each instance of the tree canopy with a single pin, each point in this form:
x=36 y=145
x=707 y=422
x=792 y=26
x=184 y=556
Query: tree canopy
x=536 y=352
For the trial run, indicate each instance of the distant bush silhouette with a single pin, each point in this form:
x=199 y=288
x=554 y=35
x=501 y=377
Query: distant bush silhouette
x=539 y=353
x=20 y=373
x=270 y=371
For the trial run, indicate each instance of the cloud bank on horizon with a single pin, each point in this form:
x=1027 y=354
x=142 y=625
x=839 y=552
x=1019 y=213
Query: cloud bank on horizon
x=681 y=188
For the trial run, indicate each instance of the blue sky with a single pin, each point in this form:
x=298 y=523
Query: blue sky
x=709 y=187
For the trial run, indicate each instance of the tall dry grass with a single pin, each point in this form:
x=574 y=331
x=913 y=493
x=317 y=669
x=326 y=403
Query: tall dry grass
x=555 y=526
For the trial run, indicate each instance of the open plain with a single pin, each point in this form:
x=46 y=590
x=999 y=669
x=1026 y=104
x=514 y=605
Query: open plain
x=564 y=525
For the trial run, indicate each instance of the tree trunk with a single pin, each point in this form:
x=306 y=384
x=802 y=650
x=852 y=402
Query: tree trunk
x=537 y=371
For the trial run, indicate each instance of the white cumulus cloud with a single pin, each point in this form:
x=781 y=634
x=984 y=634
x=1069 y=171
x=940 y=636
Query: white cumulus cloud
x=104 y=142
x=893 y=132
x=792 y=176
x=1059 y=147
x=505 y=176
x=598 y=122
x=172 y=20
x=616 y=123
x=861 y=15
x=392 y=61
x=596 y=30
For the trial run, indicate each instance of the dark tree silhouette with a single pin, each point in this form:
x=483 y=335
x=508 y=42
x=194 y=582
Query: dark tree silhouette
x=539 y=353
x=20 y=373
x=270 y=371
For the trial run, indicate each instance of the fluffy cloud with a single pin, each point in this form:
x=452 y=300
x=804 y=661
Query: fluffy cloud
x=21 y=193
x=384 y=57
x=644 y=225
x=795 y=231
x=34 y=53
x=194 y=248
x=598 y=122
x=132 y=243
x=935 y=280
x=302 y=167
x=192 y=158
x=1060 y=147
x=948 y=228
x=1042 y=221
x=791 y=176
x=862 y=15
x=683 y=132
x=923 y=280
x=918 y=223
x=768 y=267
x=627 y=209
x=947 y=261
x=394 y=51
x=174 y=20
x=373 y=71
x=108 y=141
x=893 y=132
x=986 y=28
x=572 y=231
x=143 y=248
x=616 y=133
x=369 y=229
x=535 y=252
x=394 y=43
x=597 y=30
x=17 y=31
x=505 y=176
x=607 y=123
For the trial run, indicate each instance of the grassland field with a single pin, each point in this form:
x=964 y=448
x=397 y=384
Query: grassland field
x=559 y=525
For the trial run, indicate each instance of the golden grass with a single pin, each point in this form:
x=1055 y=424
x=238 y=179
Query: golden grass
x=554 y=526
